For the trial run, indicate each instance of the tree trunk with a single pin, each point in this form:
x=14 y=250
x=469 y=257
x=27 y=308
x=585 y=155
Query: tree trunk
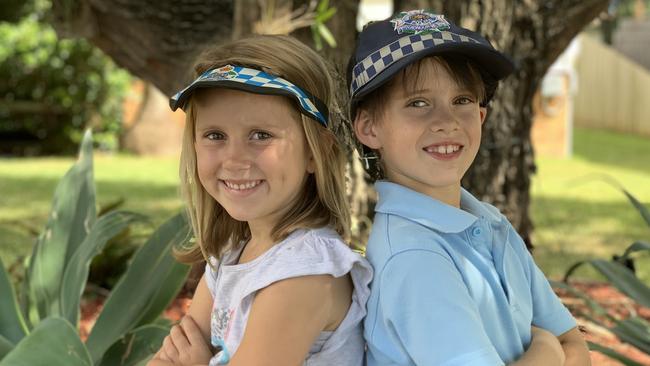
x=157 y=40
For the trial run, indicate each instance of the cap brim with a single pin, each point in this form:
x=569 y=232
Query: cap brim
x=490 y=61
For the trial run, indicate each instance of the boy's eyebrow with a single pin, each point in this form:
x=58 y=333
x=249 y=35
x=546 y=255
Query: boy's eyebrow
x=409 y=93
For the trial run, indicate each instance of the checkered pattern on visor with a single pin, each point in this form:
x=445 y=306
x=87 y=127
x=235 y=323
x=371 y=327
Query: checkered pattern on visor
x=371 y=66
x=255 y=81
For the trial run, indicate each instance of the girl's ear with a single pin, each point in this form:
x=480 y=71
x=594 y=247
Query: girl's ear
x=482 y=112
x=365 y=128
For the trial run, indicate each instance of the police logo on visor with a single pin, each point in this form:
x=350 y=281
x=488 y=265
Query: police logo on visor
x=253 y=81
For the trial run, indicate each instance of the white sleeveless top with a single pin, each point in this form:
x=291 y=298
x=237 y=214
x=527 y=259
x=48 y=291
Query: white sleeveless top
x=304 y=252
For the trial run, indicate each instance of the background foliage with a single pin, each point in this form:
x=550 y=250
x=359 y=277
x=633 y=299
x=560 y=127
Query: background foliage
x=52 y=89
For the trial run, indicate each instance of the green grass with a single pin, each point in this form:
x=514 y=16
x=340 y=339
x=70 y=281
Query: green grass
x=577 y=215
x=148 y=185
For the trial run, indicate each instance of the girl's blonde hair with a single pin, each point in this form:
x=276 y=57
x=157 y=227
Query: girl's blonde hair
x=321 y=202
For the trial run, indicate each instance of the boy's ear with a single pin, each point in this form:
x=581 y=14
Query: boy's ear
x=365 y=129
x=483 y=113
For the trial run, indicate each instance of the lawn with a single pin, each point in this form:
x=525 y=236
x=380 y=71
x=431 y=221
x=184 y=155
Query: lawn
x=577 y=214
x=148 y=185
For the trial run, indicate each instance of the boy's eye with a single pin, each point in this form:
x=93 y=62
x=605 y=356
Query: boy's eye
x=261 y=135
x=214 y=136
x=464 y=100
x=418 y=103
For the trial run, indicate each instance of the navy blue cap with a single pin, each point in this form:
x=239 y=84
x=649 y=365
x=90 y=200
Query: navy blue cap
x=388 y=46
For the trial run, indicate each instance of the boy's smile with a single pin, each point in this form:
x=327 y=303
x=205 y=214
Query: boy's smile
x=427 y=138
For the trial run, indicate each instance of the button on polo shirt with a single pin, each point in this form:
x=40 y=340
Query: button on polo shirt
x=452 y=286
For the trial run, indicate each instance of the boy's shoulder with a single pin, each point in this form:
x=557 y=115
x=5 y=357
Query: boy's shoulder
x=393 y=234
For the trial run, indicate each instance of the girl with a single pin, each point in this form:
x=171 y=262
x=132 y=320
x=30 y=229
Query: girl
x=263 y=178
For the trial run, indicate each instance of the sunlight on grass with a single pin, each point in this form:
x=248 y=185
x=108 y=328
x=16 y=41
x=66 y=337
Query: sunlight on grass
x=577 y=214
x=148 y=185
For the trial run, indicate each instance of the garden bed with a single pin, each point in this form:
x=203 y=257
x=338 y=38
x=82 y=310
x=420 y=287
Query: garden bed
x=608 y=297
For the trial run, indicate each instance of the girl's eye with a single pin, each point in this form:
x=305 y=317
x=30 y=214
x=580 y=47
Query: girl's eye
x=261 y=135
x=464 y=100
x=214 y=136
x=418 y=103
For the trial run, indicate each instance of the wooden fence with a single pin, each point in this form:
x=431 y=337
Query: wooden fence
x=613 y=92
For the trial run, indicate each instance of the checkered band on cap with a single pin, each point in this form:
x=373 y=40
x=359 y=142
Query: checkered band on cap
x=258 y=79
x=371 y=66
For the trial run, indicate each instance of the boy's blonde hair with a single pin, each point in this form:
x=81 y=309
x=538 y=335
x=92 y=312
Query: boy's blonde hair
x=322 y=200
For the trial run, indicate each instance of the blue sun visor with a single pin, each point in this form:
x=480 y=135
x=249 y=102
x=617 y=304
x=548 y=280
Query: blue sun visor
x=253 y=81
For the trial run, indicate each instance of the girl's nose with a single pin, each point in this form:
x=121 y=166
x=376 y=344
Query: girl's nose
x=236 y=156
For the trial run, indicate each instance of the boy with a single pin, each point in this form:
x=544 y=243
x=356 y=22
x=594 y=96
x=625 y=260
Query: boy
x=454 y=283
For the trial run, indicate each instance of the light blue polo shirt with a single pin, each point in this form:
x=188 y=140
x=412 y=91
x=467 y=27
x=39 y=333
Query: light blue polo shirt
x=452 y=286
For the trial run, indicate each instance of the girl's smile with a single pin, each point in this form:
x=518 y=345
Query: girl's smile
x=252 y=155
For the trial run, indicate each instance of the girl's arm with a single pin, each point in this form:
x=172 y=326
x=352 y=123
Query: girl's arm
x=195 y=347
x=544 y=350
x=201 y=308
x=575 y=348
x=285 y=319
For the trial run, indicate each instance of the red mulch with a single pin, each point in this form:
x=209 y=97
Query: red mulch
x=619 y=306
x=608 y=297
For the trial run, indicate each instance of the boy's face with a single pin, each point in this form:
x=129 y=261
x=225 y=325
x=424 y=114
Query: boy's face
x=427 y=137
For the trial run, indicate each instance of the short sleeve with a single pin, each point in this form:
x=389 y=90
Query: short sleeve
x=427 y=306
x=548 y=311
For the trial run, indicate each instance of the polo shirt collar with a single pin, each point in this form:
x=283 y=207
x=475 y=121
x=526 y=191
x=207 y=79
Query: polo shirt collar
x=398 y=200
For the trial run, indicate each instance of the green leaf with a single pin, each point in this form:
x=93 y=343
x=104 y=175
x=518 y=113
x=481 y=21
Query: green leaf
x=172 y=284
x=5 y=346
x=133 y=296
x=613 y=354
x=135 y=346
x=322 y=6
x=324 y=17
x=636 y=247
x=76 y=272
x=624 y=280
x=318 y=42
x=634 y=331
x=327 y=35
x=72 y=215
x=639 y=206
x=12 y=324
x=53 y=342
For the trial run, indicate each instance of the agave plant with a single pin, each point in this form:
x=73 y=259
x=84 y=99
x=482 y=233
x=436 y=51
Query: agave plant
x=39 y=327
x=619 y=271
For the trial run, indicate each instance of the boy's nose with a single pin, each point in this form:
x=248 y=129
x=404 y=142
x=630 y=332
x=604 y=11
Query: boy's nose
x=443 y=120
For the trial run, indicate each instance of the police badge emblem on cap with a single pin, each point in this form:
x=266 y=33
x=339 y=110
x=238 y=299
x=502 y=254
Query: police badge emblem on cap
x=419 y=22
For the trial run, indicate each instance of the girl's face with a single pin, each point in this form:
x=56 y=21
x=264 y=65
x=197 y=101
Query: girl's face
x=252 y=155
x=427 y=137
